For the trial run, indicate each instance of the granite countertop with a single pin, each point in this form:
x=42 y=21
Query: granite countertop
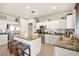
x=68 y=43
x=3 y=33
x=33 y=37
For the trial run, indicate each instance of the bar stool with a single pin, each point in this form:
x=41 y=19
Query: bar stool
x=12 y=47
x=9 y=43
x=18 y=48
x=21 y=47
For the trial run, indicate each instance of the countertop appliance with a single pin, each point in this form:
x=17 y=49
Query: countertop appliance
x=69 y=33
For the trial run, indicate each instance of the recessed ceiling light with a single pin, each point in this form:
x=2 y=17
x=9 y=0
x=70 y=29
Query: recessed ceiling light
x=36 y=13
x=53 y=7
x=27 y=7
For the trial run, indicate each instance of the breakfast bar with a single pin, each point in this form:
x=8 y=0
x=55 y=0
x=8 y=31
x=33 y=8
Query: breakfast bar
x=35 y=43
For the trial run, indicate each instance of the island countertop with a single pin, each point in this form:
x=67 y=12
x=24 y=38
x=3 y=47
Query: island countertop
x=68 y=43
x=33 y=37
x=35 y=43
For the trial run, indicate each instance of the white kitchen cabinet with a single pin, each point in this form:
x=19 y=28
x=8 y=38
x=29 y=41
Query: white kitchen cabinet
x=3 y=39
x=38 y=25
x=41 y=24
x=62 y=24
x=55 y=24
x=51 y=24
x=47 y=40
x=48 y=25
x=51 y=39
x=70 y=22
x=3 y=24
x=58 y=51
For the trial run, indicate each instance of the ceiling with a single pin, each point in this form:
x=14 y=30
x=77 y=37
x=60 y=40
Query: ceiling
x=20 y=10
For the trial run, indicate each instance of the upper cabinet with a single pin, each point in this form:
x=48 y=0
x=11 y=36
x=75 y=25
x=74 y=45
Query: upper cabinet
x=70 y=22
x=77 y=17
x=41 y=24
x=62 y=24
x=55 y=24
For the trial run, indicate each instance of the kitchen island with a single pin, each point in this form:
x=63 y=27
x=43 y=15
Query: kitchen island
x=35 y=43
x=66 y=46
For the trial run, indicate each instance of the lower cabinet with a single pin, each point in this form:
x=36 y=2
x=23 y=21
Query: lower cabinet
x=58 y=51
x=47 y=40
x=3 y=39
x=51 y=39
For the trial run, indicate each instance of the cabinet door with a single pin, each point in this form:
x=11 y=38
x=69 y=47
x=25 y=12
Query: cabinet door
x=37 y=25
x=48 y=25
x=52 y=24
x=3 y=39
x=0 y=41
x=47 y=39
x=62 y=24
x=52 y=40
x=70 y=22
